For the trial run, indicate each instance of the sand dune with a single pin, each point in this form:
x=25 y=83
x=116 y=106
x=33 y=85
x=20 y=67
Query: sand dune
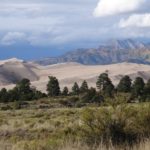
x=67 y=73
x=13 y=70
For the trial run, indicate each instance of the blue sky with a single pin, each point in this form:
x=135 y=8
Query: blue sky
x=32 y=29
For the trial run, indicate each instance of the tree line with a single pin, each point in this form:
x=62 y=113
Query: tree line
x=21 y=92
x=138 y=90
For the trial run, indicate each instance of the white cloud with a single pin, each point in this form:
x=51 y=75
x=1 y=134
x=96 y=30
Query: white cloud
x=136 y=20
x=13 y=37
x=51 y=22
x=113 y=7
x=28 y=24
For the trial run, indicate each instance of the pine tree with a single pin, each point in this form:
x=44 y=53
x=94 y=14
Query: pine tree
x=105 y=85
x=4 y=95
x=53 y=88
x=125 y=84
x=13 y=94
x=91 y=96
x=138 y=87
x=24 y=90
x=102 y=81
x=84 y=87
x=147 y=90
x=39 y=94
x=75 y=89
x=65 y=91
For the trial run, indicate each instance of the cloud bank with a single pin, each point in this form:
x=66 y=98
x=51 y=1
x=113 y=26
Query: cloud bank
x=136 y=20
x=41 y=28
x=107 y=7
x=12 y=38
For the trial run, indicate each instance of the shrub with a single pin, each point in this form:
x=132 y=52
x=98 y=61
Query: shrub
x=70 y=101
x=17 y=105
x=119 y=99
x=6 y=107
x=120 y=125
x=91 y=96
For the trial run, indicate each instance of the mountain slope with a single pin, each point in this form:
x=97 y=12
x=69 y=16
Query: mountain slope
x=114 y=51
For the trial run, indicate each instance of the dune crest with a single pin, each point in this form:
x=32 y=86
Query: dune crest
x=13 y=70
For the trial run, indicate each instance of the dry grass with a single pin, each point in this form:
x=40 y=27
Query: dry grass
x=51 y=129
x=141 y=146
x=24 y=125
x=68 y=146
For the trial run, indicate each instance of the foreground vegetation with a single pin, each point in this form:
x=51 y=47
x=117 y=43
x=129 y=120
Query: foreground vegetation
x=85 y=118
x=113 y=125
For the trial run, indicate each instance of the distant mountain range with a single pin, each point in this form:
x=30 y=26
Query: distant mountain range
x=113 y=51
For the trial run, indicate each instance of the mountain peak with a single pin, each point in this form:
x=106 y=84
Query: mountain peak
x=113 y=51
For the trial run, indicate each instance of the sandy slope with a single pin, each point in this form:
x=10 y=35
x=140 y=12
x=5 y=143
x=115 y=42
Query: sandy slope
x=13 y=70
x=68 y=73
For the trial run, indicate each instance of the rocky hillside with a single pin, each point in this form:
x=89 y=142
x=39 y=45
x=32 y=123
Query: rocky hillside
x=114 y=51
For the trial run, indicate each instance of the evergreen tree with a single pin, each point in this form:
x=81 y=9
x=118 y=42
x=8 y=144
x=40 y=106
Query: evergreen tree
x=147 y=90
x=125 y=84
x=65 y=91
x=102 y=80
x=53 y=88
x=84 y=87
x=105 y=85
x=138 y=87
x=21 y=92
x=4 y=95
x=91 y=96
x=24 y=90
x=39 y=94
x=13 y=94
x=75 y=89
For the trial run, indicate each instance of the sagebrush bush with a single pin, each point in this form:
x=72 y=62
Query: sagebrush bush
x=123 y=124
